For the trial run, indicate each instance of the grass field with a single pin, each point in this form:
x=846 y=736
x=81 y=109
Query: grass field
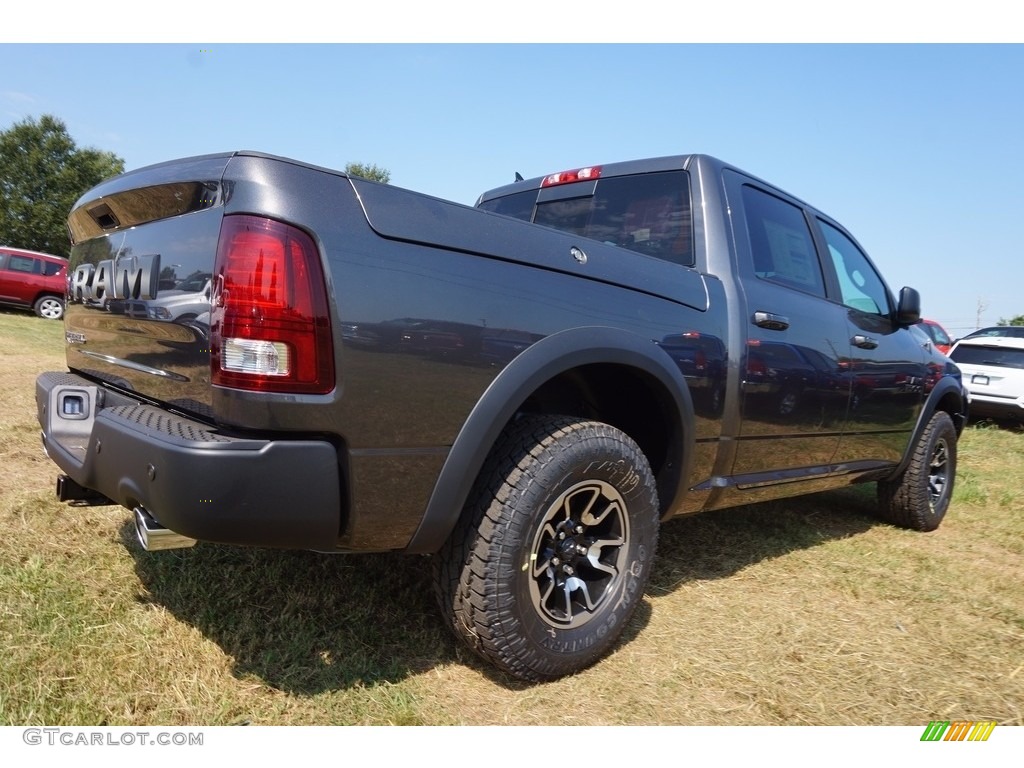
x=799 y=612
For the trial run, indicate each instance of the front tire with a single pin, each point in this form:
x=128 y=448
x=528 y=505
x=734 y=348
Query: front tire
x=554 y=548
x=49 y=307
x=920 y=497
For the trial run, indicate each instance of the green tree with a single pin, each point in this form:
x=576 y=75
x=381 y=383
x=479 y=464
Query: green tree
x=42 y=174
x=372 y=172
x=1018 y=320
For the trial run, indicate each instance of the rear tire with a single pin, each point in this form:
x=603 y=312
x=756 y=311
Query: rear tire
x=919 y=498
x=554 y=548
x=49 y=307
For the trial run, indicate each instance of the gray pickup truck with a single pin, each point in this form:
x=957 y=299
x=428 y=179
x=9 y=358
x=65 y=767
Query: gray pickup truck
x=524 y=390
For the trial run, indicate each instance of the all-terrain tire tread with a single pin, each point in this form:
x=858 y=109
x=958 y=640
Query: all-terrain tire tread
x=905 y=501
x=465 y=565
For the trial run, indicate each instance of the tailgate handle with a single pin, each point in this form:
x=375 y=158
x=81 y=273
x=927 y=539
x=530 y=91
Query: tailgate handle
x=770 y=321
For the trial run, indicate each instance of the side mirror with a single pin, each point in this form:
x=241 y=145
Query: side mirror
x=908 y=312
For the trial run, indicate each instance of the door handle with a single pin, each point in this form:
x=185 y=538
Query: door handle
x=864 y=342
x=770 y=321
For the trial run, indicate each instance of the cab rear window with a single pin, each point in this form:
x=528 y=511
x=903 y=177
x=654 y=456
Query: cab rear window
x=648 y=213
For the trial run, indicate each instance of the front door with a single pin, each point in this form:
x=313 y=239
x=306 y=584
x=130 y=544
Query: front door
x=887 y=366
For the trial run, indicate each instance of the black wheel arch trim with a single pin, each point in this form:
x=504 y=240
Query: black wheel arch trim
x=538 y=364
x=948 y=389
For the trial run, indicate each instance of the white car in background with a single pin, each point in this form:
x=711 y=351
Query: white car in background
x=186 y=301
x=993 y=373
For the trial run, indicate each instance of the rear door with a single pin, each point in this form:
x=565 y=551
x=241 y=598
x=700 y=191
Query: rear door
x=794 y=388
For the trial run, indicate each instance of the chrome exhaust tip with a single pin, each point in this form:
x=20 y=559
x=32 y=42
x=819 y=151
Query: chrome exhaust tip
x=154 y=537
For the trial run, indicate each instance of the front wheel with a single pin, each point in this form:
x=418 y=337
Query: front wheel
x=918 y=499
x=554 y=549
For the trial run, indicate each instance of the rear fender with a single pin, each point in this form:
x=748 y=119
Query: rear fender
x=541 y=362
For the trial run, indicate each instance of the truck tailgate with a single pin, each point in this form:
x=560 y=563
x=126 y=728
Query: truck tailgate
x=143 y=251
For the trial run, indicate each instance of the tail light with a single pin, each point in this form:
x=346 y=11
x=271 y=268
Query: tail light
x=270 y=330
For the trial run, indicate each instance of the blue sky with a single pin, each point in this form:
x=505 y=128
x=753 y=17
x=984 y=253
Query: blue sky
x=915 y=148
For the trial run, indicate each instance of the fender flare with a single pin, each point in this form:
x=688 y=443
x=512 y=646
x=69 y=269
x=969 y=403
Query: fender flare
x=539 y=363
x=947 y=386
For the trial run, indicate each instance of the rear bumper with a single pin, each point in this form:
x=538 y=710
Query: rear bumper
x=192 y=478
x=983 y=404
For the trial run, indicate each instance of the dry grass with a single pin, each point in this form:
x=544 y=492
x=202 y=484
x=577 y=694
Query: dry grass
x=804 y=611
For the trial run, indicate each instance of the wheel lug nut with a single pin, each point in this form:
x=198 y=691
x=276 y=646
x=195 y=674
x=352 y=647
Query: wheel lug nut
x=556 y=561
x=567 y=570
x=579 y=529
x=561 y=535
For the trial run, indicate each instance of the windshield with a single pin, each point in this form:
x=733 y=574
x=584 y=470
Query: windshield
x=935 y=331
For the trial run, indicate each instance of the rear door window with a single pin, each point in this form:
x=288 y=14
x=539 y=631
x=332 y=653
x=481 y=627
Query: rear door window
x=781 y=243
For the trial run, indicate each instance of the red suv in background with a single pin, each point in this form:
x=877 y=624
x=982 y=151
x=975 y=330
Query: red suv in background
x=938 y=335
x=35 y=281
